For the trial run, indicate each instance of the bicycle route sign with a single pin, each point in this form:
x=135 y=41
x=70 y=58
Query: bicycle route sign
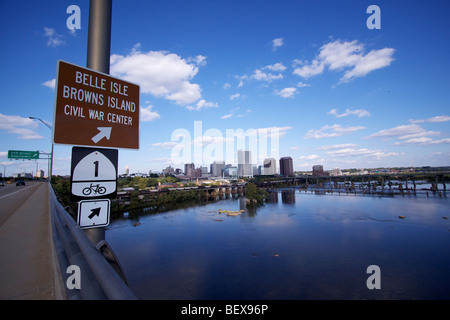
x=93 y=173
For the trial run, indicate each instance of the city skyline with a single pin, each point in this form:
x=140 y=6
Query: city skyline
x=337 y=93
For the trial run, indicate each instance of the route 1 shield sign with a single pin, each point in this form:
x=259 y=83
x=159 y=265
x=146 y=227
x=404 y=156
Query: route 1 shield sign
x=93 y=173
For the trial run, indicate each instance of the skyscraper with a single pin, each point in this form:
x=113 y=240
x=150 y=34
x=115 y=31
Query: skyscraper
x=269 y=166
x=286 y=167
x=245 y=163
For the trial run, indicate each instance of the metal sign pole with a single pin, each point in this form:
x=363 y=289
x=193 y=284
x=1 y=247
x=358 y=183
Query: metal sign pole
x=99 y=35
x=98 y=55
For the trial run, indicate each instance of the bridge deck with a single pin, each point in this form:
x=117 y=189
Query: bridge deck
x=28 y=264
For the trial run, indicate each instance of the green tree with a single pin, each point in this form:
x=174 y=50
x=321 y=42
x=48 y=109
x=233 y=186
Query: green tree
x=254 y=194
x=151 y=182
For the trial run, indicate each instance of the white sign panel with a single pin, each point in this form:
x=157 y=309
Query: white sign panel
x=94 y=173
x=93 y=213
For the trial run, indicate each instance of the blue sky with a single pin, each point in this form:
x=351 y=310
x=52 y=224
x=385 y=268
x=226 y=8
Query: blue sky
x=334 y=91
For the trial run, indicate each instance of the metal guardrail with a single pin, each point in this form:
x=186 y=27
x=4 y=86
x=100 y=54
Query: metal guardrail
x=99 y=280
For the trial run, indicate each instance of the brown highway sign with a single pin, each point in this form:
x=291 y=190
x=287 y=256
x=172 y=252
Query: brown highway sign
x=95 y=109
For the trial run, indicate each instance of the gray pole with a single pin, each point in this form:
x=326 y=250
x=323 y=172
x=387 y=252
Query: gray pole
x=50 y=167
x=99 y=35
x=98 y=55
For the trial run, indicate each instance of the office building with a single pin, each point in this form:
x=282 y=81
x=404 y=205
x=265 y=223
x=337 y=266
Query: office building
x=286 y=167
x=194 y=173
x=269 y=166
x=187 y=167
x=318 y=170
x=40 y=173
x=230 y=172
x=245 y=168
x=337 y=172
x=216 y=168
x=169 y=170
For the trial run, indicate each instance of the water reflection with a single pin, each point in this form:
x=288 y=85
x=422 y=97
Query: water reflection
x=273 y=197
x=297 y=246
x=288 y=196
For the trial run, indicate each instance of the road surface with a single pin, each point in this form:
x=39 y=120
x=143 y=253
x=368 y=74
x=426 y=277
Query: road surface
x=28 y=264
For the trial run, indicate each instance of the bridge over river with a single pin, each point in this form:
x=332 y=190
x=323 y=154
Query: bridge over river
x=375 y=184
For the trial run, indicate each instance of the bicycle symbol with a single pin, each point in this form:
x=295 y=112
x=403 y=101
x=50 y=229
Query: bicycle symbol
x=96 y=188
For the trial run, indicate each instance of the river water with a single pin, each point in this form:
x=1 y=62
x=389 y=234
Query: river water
x=298 y=246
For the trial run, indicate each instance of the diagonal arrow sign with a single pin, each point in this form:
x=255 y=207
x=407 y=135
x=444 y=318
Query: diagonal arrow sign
x=95 y=212
x=105 y=132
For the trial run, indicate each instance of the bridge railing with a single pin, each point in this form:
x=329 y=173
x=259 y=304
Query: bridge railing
x=98 y=279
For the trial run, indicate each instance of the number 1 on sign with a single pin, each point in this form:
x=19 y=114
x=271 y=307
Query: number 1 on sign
x=96 y=169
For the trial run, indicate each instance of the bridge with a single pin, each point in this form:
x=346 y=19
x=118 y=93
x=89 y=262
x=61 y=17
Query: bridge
x=206 y=192
x=39 y=240
x=437 y=180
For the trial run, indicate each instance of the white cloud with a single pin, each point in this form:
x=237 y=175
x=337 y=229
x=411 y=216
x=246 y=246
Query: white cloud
x=235 y=113
x=277 y=67
x=301 y=85
x=273 y=131
x=165 y=145
x=160 y=73
x=310 y=70
x=268 y=132
x=286 y=92
x=267 y=73
x=205 y=140
x=375 y=59
x=337 y=146
x=422 y=141
x=167 y=161
x=241 y=80
x=50 y=83
x=19 y=126
x=53 y=38
x=309 y=157
x=348 y=56
x=412 y=134
x=235 y=96
x=198 y=60
x=327 y=131
x=368 y=153
x=441 y=141
x=265 y=76
x=442 y=118
x=404 y=132
x=359 y=113
x=202 y=104
x=148 y=115
x=276 y=43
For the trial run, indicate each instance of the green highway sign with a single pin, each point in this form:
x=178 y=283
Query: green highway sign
x=17 y=154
